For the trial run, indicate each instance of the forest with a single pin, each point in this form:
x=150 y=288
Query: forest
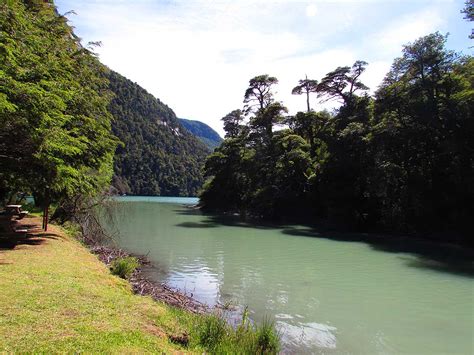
x=400 y=160
x=55 y=129
x=203 y=132
x=158 y=156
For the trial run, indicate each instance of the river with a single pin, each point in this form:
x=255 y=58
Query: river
x=327 y=293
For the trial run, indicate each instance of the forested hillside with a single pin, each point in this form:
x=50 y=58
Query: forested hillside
x=202 y=131
x=402 y=160
x=158 y=157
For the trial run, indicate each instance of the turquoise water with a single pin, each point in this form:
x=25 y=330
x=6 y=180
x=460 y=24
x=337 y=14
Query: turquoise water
x=327 y=293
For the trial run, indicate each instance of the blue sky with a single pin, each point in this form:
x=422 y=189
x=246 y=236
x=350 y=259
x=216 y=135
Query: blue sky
x=198 y=55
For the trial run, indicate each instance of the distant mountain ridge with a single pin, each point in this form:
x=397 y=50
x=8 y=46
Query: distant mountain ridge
x=202 y=131
x=159 y=157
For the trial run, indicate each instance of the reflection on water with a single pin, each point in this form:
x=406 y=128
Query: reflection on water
x=308 y=334
x=327 y=294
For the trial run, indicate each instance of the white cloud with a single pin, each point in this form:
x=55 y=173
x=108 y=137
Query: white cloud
x=311 y=10
x=197 y=56
x=404 y=30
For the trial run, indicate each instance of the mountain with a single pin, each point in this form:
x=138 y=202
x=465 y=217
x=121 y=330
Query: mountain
x=158 y=156
x=202 y=131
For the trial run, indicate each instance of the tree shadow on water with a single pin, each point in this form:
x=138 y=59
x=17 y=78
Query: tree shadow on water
x=426 y=254
x=209 y=220
x=188 y=211
x=197 y=225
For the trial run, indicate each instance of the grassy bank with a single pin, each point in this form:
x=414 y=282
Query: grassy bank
x=58 y=297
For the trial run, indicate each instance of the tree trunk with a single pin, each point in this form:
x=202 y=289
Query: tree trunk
x=307 y=100
x=46 y=214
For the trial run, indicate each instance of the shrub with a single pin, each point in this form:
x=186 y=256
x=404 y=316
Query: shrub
x=268 y=339
x=215 y=335
x=124 y=267
x=212 y=331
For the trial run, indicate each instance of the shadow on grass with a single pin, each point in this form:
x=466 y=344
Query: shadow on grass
x=10 y=241
x=429 y=255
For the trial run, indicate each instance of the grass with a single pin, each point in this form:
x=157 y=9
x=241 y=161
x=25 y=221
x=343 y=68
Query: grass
x=55 y=296
x=124 y=267
x=211 y=333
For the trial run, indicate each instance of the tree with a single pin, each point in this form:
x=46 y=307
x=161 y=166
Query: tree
x=401 y=161
x=53 y=99
x=233 y=123
x=343 y=82
x=266 y=118
x=259 y=93
x=423 y=138
x=306 y=86
x=310 y=126
x=468 y=12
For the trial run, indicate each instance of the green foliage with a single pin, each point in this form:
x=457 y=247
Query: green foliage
x=343 y=82
x=212 y=331
x=259 y=93
x=214 y=334
x=233 y=124
x=124 y=267
x=468 y=12
x=267 y=339
x=306 y=86
x=400 y=161
x=423 y=139
x=55 y=138
x=158 y=157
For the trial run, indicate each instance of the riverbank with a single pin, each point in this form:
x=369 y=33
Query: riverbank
x=56 y=296
x=145 y=287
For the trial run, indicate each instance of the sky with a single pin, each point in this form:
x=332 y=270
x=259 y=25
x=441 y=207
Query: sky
x=197 y=56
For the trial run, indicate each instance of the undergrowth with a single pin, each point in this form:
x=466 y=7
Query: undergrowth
x=124 y=267
x=217 y=336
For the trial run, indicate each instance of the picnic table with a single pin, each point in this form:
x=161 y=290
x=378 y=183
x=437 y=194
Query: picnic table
x=9 y=225
x=16 y=211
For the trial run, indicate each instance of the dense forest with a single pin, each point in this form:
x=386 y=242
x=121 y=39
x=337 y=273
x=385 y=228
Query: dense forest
x=203 y=132
x=55 y=131
x=158 y=156
x=60 y=109
x=400 y=160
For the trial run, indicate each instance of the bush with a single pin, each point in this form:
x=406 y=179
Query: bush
x=124 y=267
x=268 y=339
x=212 y=331
x=214 y=334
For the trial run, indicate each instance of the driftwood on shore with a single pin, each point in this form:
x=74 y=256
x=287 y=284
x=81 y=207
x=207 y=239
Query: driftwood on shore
x=146 y=287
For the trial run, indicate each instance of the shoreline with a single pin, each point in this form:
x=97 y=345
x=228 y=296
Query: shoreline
x=144 y=286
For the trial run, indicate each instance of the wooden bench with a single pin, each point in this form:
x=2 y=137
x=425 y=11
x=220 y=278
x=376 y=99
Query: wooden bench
x=9 y=226
x=16 y=210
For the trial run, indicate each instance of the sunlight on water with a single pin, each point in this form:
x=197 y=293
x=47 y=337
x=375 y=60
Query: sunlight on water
x=327 y=293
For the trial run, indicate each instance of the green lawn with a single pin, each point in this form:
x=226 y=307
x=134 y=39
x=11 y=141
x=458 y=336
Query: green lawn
x=56 y=296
